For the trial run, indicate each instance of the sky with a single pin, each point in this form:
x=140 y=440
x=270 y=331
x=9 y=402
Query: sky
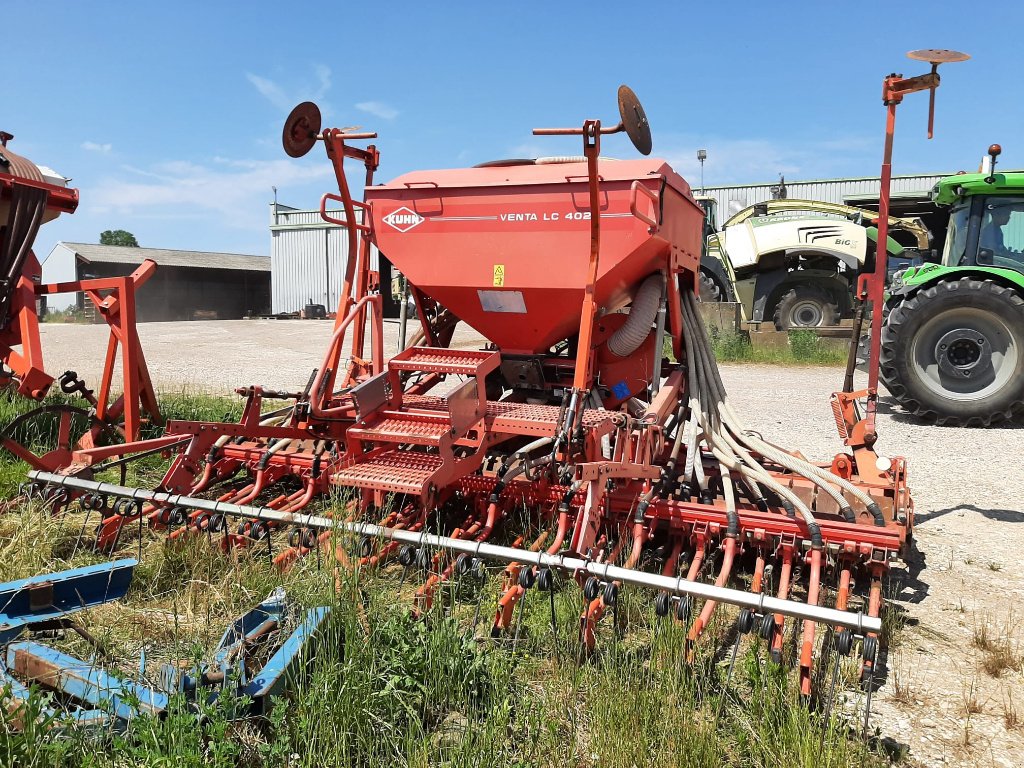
x=167 y=116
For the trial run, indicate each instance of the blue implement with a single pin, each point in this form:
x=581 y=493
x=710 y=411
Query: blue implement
x=82 y=681
x=284 y=665
x=54 y=596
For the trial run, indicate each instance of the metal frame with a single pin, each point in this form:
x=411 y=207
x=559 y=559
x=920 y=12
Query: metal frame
x=20 y=346
x=429 y=477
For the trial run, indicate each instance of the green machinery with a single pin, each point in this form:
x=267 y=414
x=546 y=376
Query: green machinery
x=953 y=341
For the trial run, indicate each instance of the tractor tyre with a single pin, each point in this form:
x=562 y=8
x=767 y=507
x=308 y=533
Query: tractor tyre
x=707 y=289
x=953 y=353
x=805 y=306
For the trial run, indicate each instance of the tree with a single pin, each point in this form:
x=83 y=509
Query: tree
x=118 y=237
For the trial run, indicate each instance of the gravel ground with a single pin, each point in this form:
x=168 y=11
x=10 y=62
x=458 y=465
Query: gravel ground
x=967 y=484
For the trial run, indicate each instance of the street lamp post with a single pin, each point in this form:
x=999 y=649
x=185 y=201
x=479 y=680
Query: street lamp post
x=702 y=155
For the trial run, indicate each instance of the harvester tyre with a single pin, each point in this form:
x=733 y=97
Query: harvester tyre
x=707 y=289
x=806 y=306
x=953 y=353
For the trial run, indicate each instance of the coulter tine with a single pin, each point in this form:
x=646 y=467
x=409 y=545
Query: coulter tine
x=807 y=647
x=785 y=573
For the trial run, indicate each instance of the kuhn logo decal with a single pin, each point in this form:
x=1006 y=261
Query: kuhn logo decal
x=403 y=219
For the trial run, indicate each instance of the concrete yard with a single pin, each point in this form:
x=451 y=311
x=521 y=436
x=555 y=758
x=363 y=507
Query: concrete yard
x=967 y=485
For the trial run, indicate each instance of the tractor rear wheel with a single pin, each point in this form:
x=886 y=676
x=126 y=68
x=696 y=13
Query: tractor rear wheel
x=954 y=353
x=805 y=306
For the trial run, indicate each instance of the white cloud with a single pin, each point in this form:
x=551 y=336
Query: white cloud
x=285 y=97
x=271 y=91
x=323 y=74
x=233 y=192
x=92 y=146
x=532 y=149
x=378 y=109
x=750 y=161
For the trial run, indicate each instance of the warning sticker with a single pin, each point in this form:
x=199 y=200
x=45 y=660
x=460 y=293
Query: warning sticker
x=499 y=275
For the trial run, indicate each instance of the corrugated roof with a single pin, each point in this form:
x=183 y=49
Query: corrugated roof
x=119 y=254
x=839 y=180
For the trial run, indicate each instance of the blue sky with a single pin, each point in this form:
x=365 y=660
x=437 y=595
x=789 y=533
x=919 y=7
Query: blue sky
x=168 y=116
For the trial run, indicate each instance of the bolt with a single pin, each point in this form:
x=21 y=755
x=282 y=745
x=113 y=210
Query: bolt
x=942 y=346
x=981 y=341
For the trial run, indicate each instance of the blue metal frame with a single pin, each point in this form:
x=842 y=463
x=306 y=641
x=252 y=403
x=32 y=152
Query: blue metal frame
x=107 y=700
x=54 y=596
x=275 y=675
x=284 y=665
x=83 y=682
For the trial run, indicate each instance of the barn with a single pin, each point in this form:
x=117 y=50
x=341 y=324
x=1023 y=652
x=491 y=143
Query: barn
x=188 y=285
x=309 y=256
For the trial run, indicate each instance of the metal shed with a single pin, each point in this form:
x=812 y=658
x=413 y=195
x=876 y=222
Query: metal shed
x=188 y=285
x=308 y=257
x=912 y=190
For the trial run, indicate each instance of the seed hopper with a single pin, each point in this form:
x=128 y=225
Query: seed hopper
x=594 y=411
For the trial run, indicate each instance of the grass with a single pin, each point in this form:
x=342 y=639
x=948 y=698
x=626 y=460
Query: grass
x=387 y=689
x=1000 y=653
x=804 y=348
x=69 y=315
x=1011 y=718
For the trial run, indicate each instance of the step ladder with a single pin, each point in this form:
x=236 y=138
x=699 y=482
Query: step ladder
x=397 y=447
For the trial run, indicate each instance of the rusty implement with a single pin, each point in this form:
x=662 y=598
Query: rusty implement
x=28 y=198
x=260 y=655
x=590 y=436
x=48 y=602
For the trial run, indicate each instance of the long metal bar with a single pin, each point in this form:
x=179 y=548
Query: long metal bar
x=84 y=682
x=759 y=603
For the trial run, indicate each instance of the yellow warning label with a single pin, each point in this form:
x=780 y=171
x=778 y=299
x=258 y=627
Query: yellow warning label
x=499 y=275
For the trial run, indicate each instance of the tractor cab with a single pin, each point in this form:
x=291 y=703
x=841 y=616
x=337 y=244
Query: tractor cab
x=710 y=206
x=987 y=230
x=986 y=218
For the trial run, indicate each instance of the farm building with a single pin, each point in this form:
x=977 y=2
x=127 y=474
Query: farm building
x=188 y=285
x=910 y=195
x=308 y=257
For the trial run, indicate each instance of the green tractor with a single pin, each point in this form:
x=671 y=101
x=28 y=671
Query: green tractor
x=953 y=340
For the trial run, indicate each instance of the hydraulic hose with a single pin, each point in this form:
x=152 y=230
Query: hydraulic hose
x=821 y=477
x=642 y=313
x=708 y=403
